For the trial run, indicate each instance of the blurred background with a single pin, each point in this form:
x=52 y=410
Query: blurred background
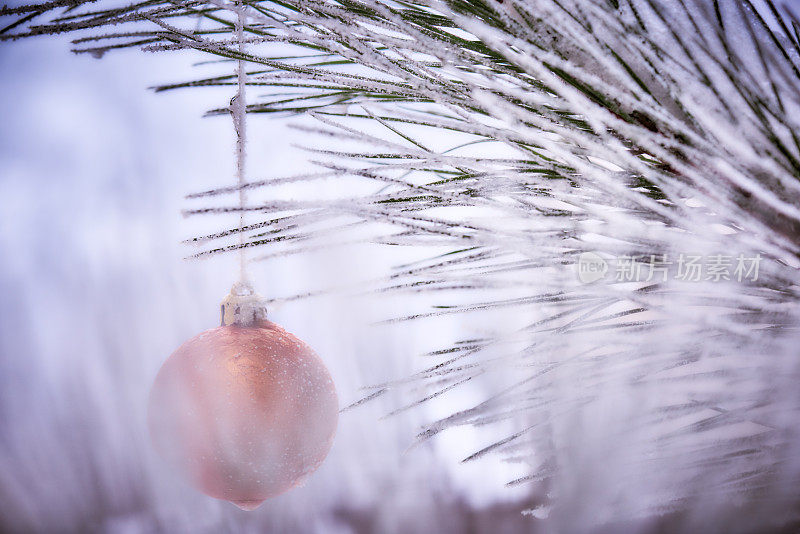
x=95 y=294
x=691 y=430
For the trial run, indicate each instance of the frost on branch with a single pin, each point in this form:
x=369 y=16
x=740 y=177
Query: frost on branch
x=518 y=137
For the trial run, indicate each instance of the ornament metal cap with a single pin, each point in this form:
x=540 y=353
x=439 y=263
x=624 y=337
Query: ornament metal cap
x=243 y=306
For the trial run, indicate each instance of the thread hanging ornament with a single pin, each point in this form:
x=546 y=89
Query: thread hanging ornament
x=244 y=411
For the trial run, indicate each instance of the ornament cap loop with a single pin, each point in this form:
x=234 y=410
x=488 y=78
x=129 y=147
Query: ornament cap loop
x=243 y=306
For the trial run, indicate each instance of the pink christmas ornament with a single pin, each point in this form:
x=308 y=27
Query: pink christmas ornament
x=245 y=411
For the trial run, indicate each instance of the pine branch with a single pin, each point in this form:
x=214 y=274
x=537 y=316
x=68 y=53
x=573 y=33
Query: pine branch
x=627 y=129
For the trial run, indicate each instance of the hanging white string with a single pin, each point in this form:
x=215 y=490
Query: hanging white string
x=242 y=306
x=239 y=112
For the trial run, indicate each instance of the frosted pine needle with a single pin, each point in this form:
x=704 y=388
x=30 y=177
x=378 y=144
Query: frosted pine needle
x=529 y=138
